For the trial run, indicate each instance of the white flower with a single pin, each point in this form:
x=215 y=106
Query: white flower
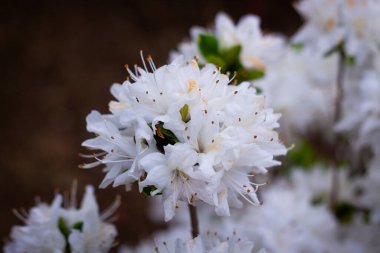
x=57 y=229
x=369 y=188
x=362 y=114
x=290 y=221
x=301 y=85
x=287 y=222
x=184 y=132
x=316 y=183
x=330 y=22
x=210 y=242
x=173 y=175
x=257 y=50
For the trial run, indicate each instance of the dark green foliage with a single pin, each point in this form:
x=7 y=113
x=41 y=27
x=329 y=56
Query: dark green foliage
x=78 y=226
x=163 y=137
x=208 y=45
x=344 y=212
x=303 y=155
x=147 y=190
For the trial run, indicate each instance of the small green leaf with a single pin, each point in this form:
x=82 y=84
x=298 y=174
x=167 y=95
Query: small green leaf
x=303 y=155
x=298 y=47
x=218 y=61
x=147 y=190
x=259 y=90
x=208 y=45
x=350 y=60
x=164 y=137
x=338 y=48
x=345 y=211
x=65 y=231
x=317 y=200
x=78 y=226
x=249 y=75
x=367 y=216
x=231 y=55
x=184 y=111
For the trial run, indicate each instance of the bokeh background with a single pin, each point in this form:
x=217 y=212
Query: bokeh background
x=57 y=62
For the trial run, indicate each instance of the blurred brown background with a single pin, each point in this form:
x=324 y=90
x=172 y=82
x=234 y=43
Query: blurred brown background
x=57 y=62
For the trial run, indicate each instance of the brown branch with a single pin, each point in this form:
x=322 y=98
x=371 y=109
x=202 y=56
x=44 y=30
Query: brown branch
x=194 y=221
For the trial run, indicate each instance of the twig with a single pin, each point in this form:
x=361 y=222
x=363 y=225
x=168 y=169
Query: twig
x=194 y=221
x=336 y=140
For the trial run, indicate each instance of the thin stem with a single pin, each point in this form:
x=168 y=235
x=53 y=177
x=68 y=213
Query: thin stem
x=339 y=91
x=194 y=221
x=336 y=140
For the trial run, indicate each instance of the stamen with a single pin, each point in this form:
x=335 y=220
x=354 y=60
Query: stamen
x=143 y=61
x=73 y=197
x=106 y=214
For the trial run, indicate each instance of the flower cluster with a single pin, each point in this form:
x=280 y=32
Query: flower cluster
x=301 y=89
x=295 y=208
x=183 y=132
x=241 y=49
x=210 y=242
x=351 y=23
x=362 y=114
x=53 y=228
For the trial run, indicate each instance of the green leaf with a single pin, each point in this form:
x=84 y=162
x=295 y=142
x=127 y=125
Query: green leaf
x=350 y=60
x=208 y=45
x=345 y=211
x=338 y=48
x=63 y=228
x=78 y=226
x=298 y=47
x=231 y=55
x=303 y=155
x=218 y=61
x=317 y=200
x=164 y=137
x=184 y=111
x=258 y=90
x=147 y=190
x=367 y=216
x=248 y=75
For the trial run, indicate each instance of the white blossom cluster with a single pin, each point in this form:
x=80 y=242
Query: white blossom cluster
x=201 y=129
x=183 y=132
x=56 y=229
x=209 y=242
x=295 y=216
x=301 y=85
x=355 y=23
x=362 y=113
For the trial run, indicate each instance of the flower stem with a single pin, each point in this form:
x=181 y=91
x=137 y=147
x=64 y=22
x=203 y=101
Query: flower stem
x=194 y=221
x=337 y=145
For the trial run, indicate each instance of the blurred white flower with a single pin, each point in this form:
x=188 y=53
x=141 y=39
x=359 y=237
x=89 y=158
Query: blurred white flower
x=256 y=50
x=369 y=187
x=331 y=22
x=288 y=222
x=295 y=216
x=184 y=132
x=362 y=114
x=315 y=183
x=210 y=242
x=57 y=229
x=301 y=85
